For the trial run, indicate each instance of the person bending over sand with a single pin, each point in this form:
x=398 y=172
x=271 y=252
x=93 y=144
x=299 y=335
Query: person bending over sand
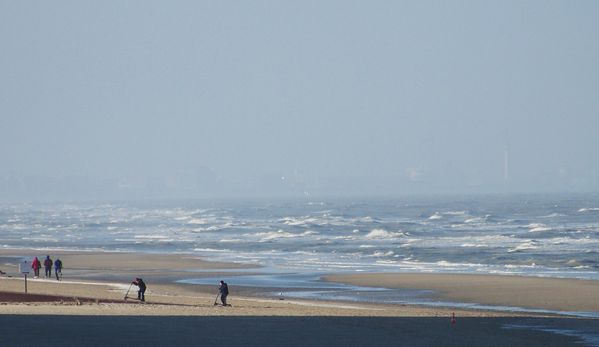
x=142 y=289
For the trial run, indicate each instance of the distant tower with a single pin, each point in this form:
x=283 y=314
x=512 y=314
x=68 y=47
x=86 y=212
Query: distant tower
x=506 y=162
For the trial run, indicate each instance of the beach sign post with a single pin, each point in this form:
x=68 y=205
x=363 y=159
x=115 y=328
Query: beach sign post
x=24 y=269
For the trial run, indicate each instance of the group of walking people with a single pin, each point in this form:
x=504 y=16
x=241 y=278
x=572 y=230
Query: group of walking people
x=36 y=265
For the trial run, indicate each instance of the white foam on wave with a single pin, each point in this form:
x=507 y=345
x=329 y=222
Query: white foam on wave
x=589 y=209
x=435 y=216
x=553 y=215
x=537 y=227
x=197 y=221
x=455 y=213
x=383 y=234
x=151 y=237
x=230 y=240
x=379 y=254
x=41 y=238
x=474 y=220
x=475 y=245
x=301 y=221
x=524 y=246
x=210 y=250
x=279 y=234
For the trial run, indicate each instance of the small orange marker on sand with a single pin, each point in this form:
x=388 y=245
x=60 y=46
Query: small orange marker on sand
x=453 y=321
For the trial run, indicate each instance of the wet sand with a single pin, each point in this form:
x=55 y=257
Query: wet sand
x=519 y=291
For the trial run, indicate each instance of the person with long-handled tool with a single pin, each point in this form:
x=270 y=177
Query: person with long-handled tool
x=127 y=294
x=142 y=289
x=223 y=291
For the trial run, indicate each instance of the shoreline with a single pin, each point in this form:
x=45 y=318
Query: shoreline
x=111 y=273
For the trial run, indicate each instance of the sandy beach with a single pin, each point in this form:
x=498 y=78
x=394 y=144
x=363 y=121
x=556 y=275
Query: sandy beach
x=514 y=291
x=91 y=295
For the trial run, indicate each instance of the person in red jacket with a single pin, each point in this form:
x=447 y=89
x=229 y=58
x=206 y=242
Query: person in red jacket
x=48 y=266
x=36 y=265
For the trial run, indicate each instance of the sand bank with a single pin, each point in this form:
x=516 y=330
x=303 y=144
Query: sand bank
x=515 y=291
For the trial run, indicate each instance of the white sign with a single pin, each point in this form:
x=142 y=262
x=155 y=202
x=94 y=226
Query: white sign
x=24 y=267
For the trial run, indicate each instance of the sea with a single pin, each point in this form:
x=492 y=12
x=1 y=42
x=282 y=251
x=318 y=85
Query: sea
x=537 y=235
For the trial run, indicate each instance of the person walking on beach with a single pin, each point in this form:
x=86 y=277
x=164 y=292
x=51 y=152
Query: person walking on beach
x=224 y=292
x=142 y=289
x=58 y=268
x=48 y=266
x=36 y=265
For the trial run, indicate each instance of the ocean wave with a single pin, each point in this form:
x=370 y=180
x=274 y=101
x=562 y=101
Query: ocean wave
x=553 y=215
x=524 y=247
x=382 y=234
x=455 y=213
x=150 y=237
x=473 y=245
x=435 y=216
x=279 y=234
x=230 y=240
x=210 y=250
x=537 y=227
x=380 y=254
x=49 y=239
x=198 y=221
x=301 y=221
x=589 y=209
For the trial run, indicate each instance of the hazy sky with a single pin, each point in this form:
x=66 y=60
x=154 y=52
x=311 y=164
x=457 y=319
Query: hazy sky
x=335 y=96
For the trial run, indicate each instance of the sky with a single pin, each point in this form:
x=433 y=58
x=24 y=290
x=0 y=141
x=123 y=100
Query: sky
x=297 y=98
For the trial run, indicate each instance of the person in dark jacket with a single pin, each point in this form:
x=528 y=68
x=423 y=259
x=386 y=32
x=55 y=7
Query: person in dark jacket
x=224 y=292
x=36 y=265
x=48 y=266
x=142 y=289
x=58 y=268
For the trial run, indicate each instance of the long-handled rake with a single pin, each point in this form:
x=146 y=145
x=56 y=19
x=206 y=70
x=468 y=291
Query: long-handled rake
x=215 y=299
x=128 y=291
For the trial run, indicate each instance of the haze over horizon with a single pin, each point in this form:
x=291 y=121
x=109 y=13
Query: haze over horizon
x=267 y=98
